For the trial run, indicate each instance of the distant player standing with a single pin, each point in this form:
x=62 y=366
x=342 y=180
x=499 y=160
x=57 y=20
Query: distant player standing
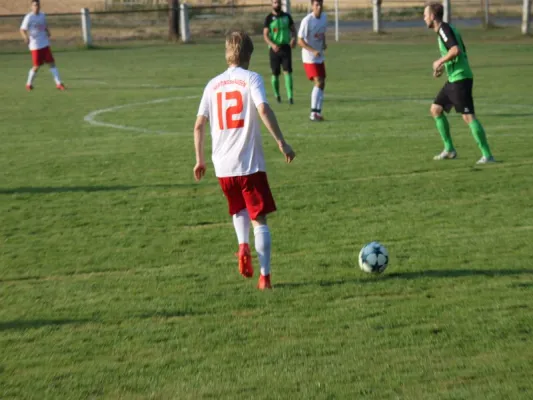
x=34 y=30
x=457 y=91
x=280 y=34
x=312 y=39
x=233 y=102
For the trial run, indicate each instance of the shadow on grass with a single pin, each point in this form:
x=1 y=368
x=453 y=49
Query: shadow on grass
x=89 y=189
x=441 y=273
x=38 y=323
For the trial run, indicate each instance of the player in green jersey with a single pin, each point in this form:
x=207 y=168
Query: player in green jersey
x=280 y=34
x=457 y=91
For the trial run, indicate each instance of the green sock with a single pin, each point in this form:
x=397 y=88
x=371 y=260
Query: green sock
x=288 y=85
x=481 y=139
x=444 y=129
x=275 y=85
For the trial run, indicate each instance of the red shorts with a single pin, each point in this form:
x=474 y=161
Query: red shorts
x=42 y=56
x=250 y=191
x=315 y=70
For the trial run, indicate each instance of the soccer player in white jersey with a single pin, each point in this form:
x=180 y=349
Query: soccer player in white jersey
x=34 y=30
x=312 y=40
x=233 y=102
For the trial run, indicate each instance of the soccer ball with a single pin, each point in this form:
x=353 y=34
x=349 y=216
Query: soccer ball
x=373 y=258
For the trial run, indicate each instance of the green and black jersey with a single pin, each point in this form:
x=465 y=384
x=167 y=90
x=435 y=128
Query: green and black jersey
x=279 y=27
x=457 y=68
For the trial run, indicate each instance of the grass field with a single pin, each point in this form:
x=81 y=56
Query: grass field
x=117 y=273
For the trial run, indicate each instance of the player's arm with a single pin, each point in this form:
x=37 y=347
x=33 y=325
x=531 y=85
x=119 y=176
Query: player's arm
x=294 y=35
x=199 y=138
x=266 y=33
x=266 y=36
x=25 y=36
x=259 y=98
x=302 y=33
x=199 y=135
x=302 y=43
x=48 y=32
x=451 y=43
x=271 y=123
x=24 y=30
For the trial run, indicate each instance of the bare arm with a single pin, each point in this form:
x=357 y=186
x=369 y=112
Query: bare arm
x=302 y=43
x=24 y=34
x=293 y=36
x=48 y=32
x=271 y=123
x=199 y=136
x=452 y=53
x=267 y=39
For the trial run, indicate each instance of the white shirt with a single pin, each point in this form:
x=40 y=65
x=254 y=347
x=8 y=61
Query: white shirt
x=36 y=27
x=230 y=101
x=313 y=31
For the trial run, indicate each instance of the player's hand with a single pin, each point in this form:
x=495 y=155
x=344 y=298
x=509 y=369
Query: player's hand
x=26 y=41
x=325 y=46
x=199 y=171
x=317 y=53
x=287 y=151
x=437 y=73
x=275 y=48
x=437 y=65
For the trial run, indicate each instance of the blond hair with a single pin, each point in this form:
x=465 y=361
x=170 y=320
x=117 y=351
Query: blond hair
x=239 y=48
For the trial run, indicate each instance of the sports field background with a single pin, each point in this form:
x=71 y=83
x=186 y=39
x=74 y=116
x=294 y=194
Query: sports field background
x=117 y=271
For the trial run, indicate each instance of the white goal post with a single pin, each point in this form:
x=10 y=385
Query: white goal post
x=526 y=17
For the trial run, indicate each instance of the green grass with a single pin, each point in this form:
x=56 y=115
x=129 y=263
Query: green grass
x=117 y=274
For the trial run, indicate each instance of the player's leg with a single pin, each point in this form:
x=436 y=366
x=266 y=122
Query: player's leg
x=465 y=105
x=286 y=62
x=321 y=87
x=311 y=73
x=241 y=222
x=317 y=98
x=49 y=59
x=441 y=104
x=260 y=202
x=263 y=247
x=37 y=62
x=275 y=66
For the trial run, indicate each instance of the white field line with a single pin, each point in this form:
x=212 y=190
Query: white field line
x=91 y=118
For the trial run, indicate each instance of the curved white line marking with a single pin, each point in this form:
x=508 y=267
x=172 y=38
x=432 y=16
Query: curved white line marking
x=91 y=117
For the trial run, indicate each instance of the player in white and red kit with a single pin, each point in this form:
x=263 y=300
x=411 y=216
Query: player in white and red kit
x=34 y=30
x=233 y=102
x=312 y=40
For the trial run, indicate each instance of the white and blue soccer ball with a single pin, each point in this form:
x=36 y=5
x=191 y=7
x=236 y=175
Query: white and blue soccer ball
x=373 y=258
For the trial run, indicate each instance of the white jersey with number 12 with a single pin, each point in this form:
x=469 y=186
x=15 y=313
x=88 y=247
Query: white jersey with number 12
x=230 y=101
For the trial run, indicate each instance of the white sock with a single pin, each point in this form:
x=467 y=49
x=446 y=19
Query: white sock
x=320 y=100
x=262 y=247
x=241 y=222
x=314 y=98
x=31 y=77
x=55 y=72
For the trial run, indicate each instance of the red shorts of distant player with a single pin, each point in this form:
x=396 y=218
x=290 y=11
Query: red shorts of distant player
x=251 y=192
x=42 y=56
x=315 y=71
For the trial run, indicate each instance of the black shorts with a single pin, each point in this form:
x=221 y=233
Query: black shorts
x=457 y=94
x=282 y=58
